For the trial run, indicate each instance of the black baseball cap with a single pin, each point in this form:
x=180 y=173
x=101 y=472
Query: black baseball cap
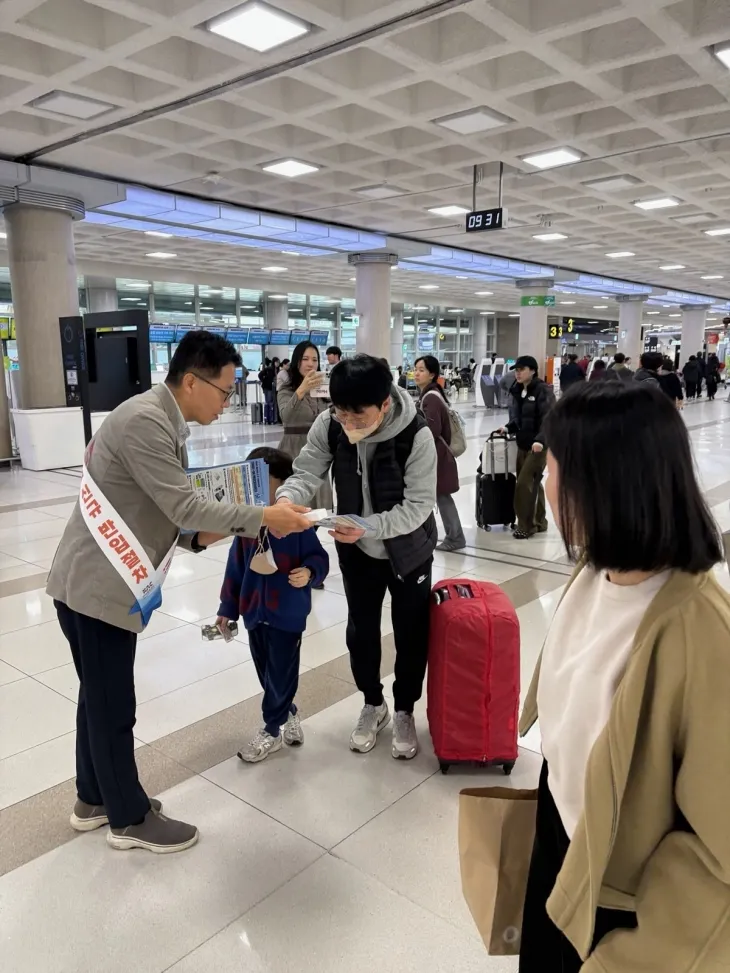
x=525 y=361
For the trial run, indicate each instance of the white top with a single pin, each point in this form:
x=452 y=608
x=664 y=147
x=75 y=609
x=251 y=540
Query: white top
x=584 y=659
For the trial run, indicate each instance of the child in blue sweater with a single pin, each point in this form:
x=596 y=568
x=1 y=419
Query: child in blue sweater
x=271 y=591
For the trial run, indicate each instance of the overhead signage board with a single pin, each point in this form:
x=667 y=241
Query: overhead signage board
x=486 y=219
x=239 y=336
x=279 y=338
x=220 y=332
x=587 y=325
x=319 y=338
x=162 y=334
x=258 y=336
x=181 y=330
x=537 y=300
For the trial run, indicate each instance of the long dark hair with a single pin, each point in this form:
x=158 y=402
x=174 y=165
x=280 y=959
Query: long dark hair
x=295 y=376
x=432 y=366
x=644 y=513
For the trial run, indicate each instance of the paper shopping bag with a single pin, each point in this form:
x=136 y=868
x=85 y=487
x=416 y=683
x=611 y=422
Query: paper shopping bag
x=496 y=835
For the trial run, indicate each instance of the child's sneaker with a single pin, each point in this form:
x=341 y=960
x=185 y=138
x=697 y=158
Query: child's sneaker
x=293 y=732
x=260 y=747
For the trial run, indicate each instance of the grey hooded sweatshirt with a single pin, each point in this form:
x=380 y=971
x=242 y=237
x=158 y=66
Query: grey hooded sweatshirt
x=313 y=464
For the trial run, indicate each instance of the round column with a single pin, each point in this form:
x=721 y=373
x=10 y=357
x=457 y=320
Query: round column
x=44 y=288
x=693 y=331
x=396 y=338
x=372 y=299
x=479 y=345
x=630 y=313
x=533 y=333
x=101 y=294
x=276 y=318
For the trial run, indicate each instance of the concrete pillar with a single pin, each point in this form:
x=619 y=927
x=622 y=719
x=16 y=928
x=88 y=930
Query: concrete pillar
x=533 y=334
x=396 y=337
x=693 y=331
x=44 y=288
x=630 y=311
x=276 y=318
x=372 y=299
x=479 y=343
x=5 y=439
x=101 y=294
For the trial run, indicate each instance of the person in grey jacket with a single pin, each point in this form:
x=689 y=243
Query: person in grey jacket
x=383 y=458
x=135 y=500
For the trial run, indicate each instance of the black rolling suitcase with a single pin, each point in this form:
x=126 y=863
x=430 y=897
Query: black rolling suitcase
x=495 y=493
x=257 y=413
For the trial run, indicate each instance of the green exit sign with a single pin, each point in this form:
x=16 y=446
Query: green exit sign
x=538 y=300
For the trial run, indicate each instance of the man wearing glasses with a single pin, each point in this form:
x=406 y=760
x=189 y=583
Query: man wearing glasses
x=135 y=500
x=383 y=461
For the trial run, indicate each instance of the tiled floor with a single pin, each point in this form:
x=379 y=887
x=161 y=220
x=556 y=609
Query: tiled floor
x=318 y=857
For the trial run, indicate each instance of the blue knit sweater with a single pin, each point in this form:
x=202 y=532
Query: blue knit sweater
x=269 y=598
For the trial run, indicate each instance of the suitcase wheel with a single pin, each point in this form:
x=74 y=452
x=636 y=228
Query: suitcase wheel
x=445 y=768
x=487 y=527
x=508 y=767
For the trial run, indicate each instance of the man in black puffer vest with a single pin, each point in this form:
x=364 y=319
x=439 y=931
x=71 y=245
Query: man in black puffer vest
x=383 y=460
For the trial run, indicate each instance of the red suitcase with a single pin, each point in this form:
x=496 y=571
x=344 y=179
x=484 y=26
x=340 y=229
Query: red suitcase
x=473 y=674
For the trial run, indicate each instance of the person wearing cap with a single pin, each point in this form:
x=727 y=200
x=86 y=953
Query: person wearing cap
x=532 y=400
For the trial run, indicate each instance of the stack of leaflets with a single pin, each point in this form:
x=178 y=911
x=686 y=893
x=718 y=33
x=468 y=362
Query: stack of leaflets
x=243 y=483
x=345 y=520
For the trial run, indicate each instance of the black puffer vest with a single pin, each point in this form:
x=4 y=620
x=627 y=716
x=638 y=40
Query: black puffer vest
x=386 y=475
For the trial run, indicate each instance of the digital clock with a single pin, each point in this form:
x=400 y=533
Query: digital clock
x=486 y=219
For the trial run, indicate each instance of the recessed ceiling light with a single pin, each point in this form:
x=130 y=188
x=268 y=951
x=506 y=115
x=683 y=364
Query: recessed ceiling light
x=483 y=313
x=513 y=315
x=381 y=191
x=564 y=303
x=711 y=277
x=473 y=120
x=693 y=218
x=672 y=267
x=621 y=253
x=448 y=210
x=275 y=270
x=278 y=297
x=661 y=202
x=722 y=53
x=161 y=255
x=130 y=298
x=613 y=183
x=3 y=236
x=720 y=231
x=675 y=315
x=455 y=310
x=158 y=233
x=290 y=168
x=188 y=303
x=74 y=106
x=258 y=26
x=484 y=293
x=420 y=307
x=547 y=237
x=206 y=308
x=353 y=278
x=291 y=253
x=552 y=158
x=653 y=312
x=462 y=277
x=428 y=287
x=600 y=307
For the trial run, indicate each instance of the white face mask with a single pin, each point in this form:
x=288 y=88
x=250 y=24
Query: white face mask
x=356 y=435
x=263 y=560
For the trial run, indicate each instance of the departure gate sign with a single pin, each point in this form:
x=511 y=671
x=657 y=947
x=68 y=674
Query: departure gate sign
x=486 y=219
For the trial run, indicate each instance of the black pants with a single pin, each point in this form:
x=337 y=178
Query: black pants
x=366 y=580
x=275 y=654
x=544 y=947
x=691 y=389
x=106 y=772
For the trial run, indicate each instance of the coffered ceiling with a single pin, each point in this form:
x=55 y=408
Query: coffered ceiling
x=631 y=86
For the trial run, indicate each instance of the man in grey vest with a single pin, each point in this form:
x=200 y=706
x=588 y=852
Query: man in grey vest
x=383 y=461
x=135 y=499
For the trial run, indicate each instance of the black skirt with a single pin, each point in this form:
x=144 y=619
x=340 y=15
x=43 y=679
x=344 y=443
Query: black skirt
x=544 y=947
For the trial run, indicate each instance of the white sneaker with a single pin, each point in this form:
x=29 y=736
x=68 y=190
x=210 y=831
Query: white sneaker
x=260 y=747
x=293 y=732
x=371 y=722
x=405 y=740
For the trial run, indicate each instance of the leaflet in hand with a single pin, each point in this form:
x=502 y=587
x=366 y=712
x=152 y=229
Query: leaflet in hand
x=246 y=483
x=323 y=519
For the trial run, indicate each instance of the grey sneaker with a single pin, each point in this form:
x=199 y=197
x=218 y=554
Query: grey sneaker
x=89 y=817
x=293 y=732
x=448 y=547
x=260 y=747
x=158 y=834
x=371 y=722
x=405 y=741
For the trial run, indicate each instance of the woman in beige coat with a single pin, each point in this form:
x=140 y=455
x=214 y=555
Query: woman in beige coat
x=298 y=408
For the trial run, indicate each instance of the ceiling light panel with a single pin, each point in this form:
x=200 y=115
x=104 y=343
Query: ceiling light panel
x=291 y=168
x=722 y=53
x=719 y=231
x=552 y=158
x=161 y=255
x=258 y=26
x=549 y=237
x=472 y=121
x=616 y=254
x=448 y=210
x=661 y=202
x=74 y=106
x=672 y=267
x=612 y=184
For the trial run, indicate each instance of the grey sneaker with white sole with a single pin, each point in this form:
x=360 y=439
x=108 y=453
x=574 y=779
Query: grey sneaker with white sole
x=405 y=739
x=260 y=747
x=371 y=722
x=157 y=833
x=293 y=732
x=89 y=817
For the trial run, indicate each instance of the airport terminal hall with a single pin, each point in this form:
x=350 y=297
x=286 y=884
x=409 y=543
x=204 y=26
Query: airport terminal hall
x=364 y=486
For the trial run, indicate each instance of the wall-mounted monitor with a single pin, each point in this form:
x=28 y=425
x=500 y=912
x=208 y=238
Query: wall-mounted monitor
x=280 y=338
x=239 y=336
x=162 y=334
x=258 y=336
x=319 y=338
